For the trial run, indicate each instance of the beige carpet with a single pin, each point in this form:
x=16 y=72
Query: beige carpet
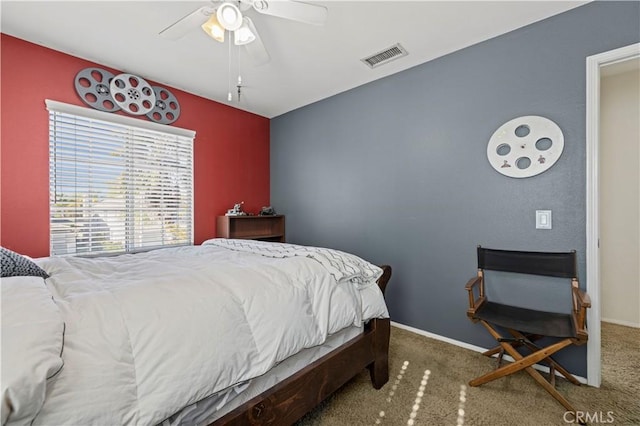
x=442 y=371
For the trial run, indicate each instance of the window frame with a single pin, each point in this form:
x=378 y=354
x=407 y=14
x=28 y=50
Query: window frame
x=133 y=125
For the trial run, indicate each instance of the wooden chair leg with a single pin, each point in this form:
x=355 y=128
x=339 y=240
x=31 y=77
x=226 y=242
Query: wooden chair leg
x=520 y=362
x=565 y=373
x=497 y=349
x=500 y=356
x=552 y=391
x=525 y=363
x=553 y=364
x=492 y=352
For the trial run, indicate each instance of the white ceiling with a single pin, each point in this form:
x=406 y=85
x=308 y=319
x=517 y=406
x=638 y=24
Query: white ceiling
x=308 y=63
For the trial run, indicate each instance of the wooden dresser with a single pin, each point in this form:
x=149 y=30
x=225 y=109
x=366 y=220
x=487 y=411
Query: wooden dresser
x=265 y=228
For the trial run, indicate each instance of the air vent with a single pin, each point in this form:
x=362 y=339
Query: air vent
x=394 y=52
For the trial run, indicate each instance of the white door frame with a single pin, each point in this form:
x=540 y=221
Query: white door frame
x=594 y=65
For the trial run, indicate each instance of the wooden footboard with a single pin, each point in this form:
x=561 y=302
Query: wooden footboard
x=292 y=398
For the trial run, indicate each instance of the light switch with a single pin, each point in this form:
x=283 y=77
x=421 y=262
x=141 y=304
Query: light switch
x=543 y=219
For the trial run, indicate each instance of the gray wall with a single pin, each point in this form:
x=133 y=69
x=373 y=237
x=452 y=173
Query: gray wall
x=396 y=170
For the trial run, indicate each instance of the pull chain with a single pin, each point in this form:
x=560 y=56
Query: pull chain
x=239 y=85
x=229 y=96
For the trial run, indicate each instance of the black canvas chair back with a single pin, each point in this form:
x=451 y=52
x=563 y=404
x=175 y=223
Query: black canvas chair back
x=560 y=265
x=524 y=326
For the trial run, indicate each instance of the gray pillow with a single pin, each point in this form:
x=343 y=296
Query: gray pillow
x=16 y=265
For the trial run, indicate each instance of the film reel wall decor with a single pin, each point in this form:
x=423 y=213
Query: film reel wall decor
x=525 y=146
x=166 y=109
x=93 y=87
x=104 y=91
x=133 y=94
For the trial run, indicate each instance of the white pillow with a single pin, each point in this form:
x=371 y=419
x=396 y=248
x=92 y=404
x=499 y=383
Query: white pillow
x=32 y=341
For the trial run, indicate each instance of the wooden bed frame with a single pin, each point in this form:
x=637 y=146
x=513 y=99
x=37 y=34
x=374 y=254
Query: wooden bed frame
x=289 y=400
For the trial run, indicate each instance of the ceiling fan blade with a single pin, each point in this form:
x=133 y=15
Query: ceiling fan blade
x=256 y=51
x=187 y=23
x=289 y=9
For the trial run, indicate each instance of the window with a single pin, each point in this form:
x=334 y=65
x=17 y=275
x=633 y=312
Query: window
x=117 y=184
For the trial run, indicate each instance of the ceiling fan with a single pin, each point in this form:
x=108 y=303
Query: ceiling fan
x=221 y=16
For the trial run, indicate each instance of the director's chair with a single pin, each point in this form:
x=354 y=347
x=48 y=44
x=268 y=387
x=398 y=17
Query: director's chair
x=523 y=325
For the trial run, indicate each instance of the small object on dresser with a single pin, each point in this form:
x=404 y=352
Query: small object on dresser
x=236 y=210
x=267 y=211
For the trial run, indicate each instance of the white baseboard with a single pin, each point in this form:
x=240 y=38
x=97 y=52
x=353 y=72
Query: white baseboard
x=474 y=348
x=621 y=322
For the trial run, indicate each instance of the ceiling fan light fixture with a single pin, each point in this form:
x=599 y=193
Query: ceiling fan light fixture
x=213 y=29
x=244 y=35
x=229 y=16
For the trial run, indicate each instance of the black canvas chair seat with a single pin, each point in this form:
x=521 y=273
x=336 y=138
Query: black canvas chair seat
x=524 y=326
x=527 y=320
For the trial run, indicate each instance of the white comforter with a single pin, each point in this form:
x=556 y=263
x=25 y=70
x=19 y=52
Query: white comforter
x=150 y=333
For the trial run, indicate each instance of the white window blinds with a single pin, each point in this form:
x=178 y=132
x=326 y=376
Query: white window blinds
x=117 y=184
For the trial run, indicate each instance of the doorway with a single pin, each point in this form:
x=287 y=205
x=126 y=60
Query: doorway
x=597 y=67
x=619 y=193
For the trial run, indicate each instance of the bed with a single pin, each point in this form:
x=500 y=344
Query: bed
x=228 y=332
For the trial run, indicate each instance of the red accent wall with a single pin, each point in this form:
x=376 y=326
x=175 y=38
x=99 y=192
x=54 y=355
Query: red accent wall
x=231 y=149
